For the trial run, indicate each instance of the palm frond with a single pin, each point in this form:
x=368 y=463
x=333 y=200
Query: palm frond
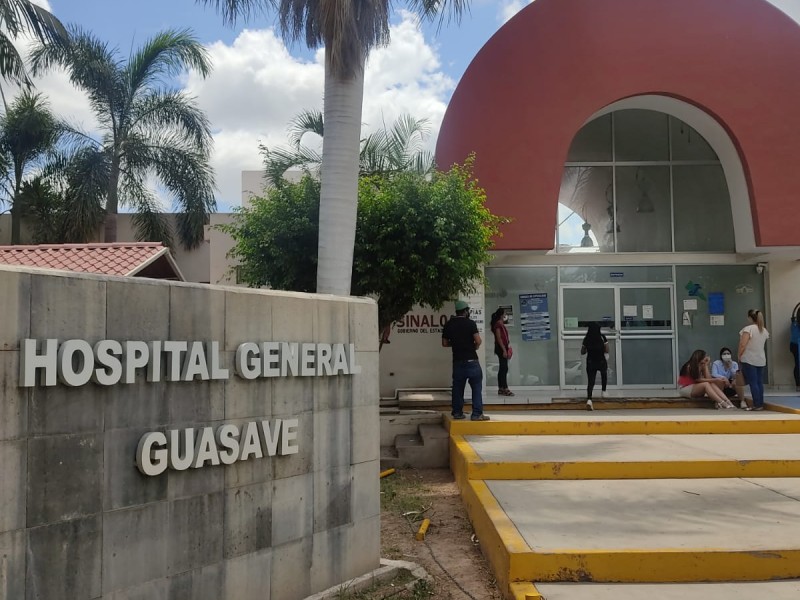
x=234 y=10
x=12 y=66
x=163 y=56
x=93 y=67
x=308 y=121
x=172 y=111
x=279 y=160
x=23 y=15
x=446 y=10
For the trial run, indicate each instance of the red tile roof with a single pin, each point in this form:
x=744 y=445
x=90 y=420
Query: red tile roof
x=124 y=259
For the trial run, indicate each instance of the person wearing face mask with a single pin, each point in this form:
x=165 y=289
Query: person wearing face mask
x=695 y=381
x=502 y=349
x=724 y=371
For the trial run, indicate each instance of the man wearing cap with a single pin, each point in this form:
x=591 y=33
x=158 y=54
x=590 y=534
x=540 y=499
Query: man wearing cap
x=460 y=334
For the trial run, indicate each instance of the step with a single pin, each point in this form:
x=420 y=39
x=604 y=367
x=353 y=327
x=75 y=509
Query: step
x=628 y=421
x=631 y=456
x=767 y=590
x=678 y=530
x=428 y=449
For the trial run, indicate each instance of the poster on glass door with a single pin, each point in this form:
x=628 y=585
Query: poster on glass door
x=534 y=317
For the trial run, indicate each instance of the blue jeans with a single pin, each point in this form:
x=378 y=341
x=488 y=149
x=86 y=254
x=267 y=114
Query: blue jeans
x=464 y=371
x=754 y=377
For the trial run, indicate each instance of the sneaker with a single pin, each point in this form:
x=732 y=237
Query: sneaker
x=604 y=394
x=479 y=418
x=459 y=417
x=743 y=405
x=589 y=405
x=758 y=408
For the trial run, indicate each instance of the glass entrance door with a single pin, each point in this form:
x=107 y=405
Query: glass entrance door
x=638 y=322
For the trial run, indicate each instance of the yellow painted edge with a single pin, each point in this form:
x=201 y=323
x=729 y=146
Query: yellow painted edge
x=386 y=473
x=654 y=566
x=744 y=426
x=781 y=409
x=524 y=591
x=632 y=470
x=423 y=529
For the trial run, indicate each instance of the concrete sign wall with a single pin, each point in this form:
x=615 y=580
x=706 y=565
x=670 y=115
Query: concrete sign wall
x=226 y=477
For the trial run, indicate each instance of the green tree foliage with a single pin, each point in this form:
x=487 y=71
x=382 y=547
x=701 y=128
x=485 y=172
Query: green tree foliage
x=18 y=17
x=419 y=240
x=348 y=31
x=149 y=131
x=28 y=134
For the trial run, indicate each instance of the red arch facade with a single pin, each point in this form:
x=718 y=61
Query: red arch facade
x=543 y=74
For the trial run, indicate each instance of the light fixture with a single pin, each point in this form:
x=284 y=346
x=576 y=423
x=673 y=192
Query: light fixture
x=586 y=242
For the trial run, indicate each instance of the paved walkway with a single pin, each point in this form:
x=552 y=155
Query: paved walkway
x=773 y=590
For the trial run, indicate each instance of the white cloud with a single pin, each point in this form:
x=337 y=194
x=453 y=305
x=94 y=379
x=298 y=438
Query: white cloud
x=257 y=87
x=508 y=8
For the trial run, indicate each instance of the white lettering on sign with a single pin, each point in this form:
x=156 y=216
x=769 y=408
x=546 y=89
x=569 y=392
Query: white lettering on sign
x=181 y=449
x=109 y=362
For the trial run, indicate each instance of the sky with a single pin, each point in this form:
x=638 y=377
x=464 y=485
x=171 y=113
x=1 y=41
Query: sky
x=259 y=84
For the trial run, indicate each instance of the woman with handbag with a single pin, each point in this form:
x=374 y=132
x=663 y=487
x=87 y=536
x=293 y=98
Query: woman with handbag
x=502 y=349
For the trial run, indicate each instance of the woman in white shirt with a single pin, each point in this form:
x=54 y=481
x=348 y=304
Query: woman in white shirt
x=752 y=356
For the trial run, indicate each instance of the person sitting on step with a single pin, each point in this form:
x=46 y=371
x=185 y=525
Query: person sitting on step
x=695 y=381
x=726 y=372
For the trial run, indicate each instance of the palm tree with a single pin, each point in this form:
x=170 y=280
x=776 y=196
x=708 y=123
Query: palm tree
x=28 y=133
x=148 y=131
x=400 y=148
x=348 y=30
x=23 y=16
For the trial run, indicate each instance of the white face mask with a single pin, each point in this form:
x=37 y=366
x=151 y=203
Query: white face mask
x=726 y=357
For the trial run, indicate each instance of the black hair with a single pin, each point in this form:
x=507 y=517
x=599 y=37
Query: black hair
x=497 y=315
x=723 y=350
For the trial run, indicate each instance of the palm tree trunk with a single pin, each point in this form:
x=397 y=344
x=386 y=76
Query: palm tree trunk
x=112 y=204
x=16 y=217
x=339 y=178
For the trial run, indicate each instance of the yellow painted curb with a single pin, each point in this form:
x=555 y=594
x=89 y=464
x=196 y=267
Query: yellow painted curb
x=480 y=470
x=423 y=529
x=524 y=591
x=781 y=409
x=386 y=473
x=610 y=427
x=655 y=566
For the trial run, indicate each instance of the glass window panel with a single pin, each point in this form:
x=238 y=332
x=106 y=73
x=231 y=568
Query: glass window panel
x=659 y=317
x=616 y=274
x=687 y=144
x=643 y=209
x=586 y=198
x=648 y=362
x=575 y=365
x=742 y=289
x=593 y=142
x=535 y=363
x=703 y=219
x=584 y=305
x=641 y=135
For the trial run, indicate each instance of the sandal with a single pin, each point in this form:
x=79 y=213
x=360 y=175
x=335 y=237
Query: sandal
x=506 y=392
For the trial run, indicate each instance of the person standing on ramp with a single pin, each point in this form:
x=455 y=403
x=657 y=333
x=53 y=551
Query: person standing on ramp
x=461 y=335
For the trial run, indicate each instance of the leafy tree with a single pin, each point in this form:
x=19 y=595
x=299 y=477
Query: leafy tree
x=348 y=31
x=393 y=150
x=18 y=17
x=149 y=131
x=28 y=133
x=419 y=240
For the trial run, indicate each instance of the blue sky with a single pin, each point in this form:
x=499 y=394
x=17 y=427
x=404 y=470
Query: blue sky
x=258 y=84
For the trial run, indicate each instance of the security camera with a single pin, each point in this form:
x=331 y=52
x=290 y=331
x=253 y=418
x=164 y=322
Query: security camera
x=761 y=267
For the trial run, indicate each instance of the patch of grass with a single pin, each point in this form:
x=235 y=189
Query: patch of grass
x=385 y=589
x=422 y=590
x=401 y=493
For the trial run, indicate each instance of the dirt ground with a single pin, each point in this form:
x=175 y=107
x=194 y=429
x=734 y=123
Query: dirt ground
x=450 y=551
